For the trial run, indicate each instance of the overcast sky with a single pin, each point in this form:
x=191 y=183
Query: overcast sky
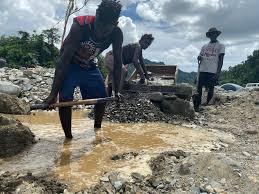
x=179 y=26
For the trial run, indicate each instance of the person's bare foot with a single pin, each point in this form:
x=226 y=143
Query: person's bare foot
x=97 y=127
x=69 y=136
x=141 y=81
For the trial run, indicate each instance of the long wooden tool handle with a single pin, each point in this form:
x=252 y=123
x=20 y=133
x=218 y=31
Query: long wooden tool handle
x=73 y=103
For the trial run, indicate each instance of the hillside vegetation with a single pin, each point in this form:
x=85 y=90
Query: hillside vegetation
x=246 y=72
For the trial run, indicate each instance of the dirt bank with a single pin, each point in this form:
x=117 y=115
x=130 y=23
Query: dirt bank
x=22 y=184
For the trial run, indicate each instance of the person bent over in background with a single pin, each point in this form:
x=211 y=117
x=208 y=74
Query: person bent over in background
x=131 y=53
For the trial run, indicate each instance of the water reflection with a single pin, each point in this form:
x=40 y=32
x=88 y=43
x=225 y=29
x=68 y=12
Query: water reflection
x=65 y=158
x=81 y=161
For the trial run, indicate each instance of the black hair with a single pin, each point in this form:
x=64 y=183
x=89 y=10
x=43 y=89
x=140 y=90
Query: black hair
x=109 y=11
x=148 y=37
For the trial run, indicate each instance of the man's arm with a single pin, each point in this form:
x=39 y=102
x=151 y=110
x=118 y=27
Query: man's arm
x=136 y=62
x=117 y=53
x=221 y=59
x=220 y=63
x=199 y=58
x=70 y=46
x=141 y=61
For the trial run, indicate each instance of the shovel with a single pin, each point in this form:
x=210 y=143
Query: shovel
x=72 y=103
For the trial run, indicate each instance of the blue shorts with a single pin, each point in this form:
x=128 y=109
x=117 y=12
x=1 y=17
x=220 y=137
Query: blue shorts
x=90 y=81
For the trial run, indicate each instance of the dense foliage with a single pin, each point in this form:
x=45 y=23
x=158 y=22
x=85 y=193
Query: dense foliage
x=28 y=50
x=246 y=72
x=186 y=77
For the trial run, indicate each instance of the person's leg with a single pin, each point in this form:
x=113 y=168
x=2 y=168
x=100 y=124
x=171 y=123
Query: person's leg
x=124 y=73
x=109 y=63
x=108 y=83
x=109 y=90
x=92 y=86
x=199 y=91
x=211 y=84
x=210 y=93
x=99 y=110
x=65 y=115
x=66 y=94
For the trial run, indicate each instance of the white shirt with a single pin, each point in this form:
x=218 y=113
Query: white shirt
x=210 y=57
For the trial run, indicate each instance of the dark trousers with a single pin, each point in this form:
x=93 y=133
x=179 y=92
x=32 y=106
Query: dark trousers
x=205 y=80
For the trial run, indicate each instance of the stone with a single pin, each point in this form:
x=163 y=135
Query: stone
x=184 y=169
x=252 y=132
x=195 y=190
x=116 y=180
x=151 y=114
x=170 y=97
x=3 y=62
x=117 y=185
x=15 y=137
x=223 y=181
x=104 y=179
x=156 y=97
x=47 y=74
x=178 y=107
x=27 y=87
x=257 y=158
x=37 y=77
x=67 y=192
x=137 y=176
x=173 y=182
x=13 y=105
x=246 y=154
x=216 y=186
x=155 y=182
x=49 y=81
x=229 y=161
x=161 y=186
x=9 y=88
x=209 y=189
x=124 y=156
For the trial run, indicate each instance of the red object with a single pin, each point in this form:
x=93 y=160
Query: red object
x=82 y=20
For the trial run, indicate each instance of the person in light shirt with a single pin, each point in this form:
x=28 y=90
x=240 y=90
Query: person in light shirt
x=210 y=62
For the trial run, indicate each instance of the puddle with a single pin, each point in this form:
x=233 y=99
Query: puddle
x=83 y=160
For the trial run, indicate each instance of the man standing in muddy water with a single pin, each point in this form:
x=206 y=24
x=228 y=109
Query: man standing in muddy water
x=88 y=37
x=210 y=62
x=131 y=53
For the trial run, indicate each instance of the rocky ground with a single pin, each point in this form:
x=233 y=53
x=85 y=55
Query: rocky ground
x=17 y=183
x=15 y=137
x=137 y=107
x=231 y=167
x=34 y=83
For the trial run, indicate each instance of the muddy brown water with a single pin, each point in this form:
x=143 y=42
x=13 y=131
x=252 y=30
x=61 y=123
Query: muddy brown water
x=82 y=161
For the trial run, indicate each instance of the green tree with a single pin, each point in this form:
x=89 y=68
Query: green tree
x=246 y=72
x=28 y=50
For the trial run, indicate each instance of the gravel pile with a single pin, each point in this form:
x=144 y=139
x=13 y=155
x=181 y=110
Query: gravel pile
x=135 y=108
